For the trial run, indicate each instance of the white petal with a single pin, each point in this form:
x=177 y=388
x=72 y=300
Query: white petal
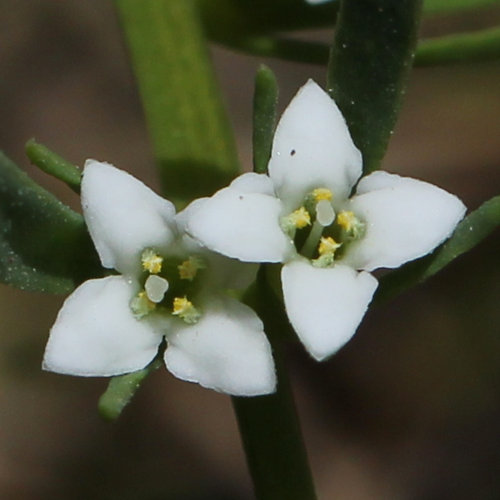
x=226 y=350
x=184 y=215
x=375 y=181
x=123 y=216
x=313 y=148
x=405 y=219
x=241 y=225
x=245 y=183
x=253 y=183
x=95 y=333
x=226 y=273
x=325 y=305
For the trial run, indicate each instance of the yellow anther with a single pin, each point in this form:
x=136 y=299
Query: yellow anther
x=328 y=246
x=189 y=268
x=353 y=227
x=300 y=218
x=184 y=309
x=151 y=261
x=322 y=194
x=141 y=305
x=143 y=296
x=346 y=219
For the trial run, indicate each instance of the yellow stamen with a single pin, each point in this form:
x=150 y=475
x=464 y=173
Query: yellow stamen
x=300 y=218
x=322 y=194
x=328 y=246
x=151 y=261
x=189 y=268
x=141 y=305
x=184 y=309
x=346 y=219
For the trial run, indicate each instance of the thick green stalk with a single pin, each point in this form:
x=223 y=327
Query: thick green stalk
x=269 y=425
x=191 y=136
x=273 y=443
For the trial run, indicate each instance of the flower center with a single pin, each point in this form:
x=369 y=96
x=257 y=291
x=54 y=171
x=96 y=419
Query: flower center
x=167 y=282
x=318 y=232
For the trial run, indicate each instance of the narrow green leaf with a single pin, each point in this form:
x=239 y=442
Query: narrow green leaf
x=249 y=25
x=458 y=48
x=121 y=390
x=447 y=6
x=229 y=20
x=265 y=100
x=470 y=232
x=191 y=135
x=478 y=46
x=44 y=245
x=54 y=165
x=369 y=65
x=288 y=49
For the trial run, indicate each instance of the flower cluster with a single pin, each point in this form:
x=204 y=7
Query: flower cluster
x=176 y=269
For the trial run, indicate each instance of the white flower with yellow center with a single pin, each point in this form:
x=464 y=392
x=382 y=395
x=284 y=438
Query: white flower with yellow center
x=169 y=288
x=302 y=214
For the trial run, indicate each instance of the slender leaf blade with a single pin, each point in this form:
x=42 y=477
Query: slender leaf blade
x=121 y=390
x=265 y=101
x=54 y=165
x=191 y=136
x=483 y=45
x=447 y=6
x=229 y=20
x=370 y=61
x=44 y=245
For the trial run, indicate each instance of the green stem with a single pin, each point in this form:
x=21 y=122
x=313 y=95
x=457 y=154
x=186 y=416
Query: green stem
x=458 y=48
x=192 y=139
x=269 y=425
x=273 y=443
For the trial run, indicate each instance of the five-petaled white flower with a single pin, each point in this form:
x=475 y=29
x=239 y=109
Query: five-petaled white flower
x=169 y=288
x=302 y=215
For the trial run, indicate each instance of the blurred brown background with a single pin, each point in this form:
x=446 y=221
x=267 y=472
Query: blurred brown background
x=407 y=410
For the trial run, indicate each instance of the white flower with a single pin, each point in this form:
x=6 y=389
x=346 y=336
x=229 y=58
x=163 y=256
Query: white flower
x=302 y=215
x=169 y=288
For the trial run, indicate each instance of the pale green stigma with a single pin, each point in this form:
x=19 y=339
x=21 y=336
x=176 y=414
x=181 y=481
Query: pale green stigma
x=325 y=214
x=155 y=288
